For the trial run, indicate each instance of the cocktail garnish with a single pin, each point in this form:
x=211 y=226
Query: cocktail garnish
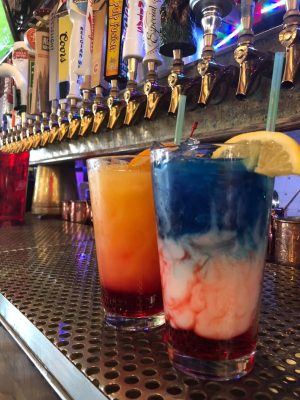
x=266 y=153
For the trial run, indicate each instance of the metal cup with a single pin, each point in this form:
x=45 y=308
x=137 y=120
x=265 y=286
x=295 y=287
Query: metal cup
x=287 y=241
x=79 y=211
x=65 y=214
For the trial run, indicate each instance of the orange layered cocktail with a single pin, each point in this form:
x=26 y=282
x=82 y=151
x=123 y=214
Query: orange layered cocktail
x=126 y=244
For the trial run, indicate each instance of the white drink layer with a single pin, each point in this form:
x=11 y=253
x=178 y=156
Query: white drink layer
x=209 y=290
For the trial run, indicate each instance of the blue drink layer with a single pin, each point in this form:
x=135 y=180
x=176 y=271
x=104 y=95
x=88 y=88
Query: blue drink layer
x=212 y=219
x=194 y=196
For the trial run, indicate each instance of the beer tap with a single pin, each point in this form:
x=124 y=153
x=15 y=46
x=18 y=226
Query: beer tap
x=100 y=111
x=117 y=107
x=133 y=53
x=115 y=69
x=177 y=41
x=53 y=123
x=12 y=143
x=45 y=129
x=77 y=11
x=63 y=121
x=215 y=77
x=7 y=147
x=29 y=134
x=36 y=132
x=74 y=118
x=253 y=63
x=23 y=132
x=86 y=114
x=99 y=107
x=17 y=134
x=289 y=37
x=157 y=95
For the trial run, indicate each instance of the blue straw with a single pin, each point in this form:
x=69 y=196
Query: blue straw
x=275 y=91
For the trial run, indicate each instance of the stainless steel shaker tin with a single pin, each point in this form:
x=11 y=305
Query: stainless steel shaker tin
x=287 y=241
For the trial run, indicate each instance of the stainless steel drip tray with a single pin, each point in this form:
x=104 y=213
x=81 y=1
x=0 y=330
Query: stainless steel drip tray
x=50 y=303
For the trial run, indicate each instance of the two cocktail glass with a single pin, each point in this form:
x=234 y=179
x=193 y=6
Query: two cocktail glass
x=211 y=250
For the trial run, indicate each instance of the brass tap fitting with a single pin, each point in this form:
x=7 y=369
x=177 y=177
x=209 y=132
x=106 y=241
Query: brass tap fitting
x=74 y=119
x=117 y=107
x=86 y=114
x=100 y=111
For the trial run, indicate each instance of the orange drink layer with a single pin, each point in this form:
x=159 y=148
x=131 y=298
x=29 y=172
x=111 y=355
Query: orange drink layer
x=126 y=243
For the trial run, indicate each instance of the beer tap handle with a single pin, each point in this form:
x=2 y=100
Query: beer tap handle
x=63 y=55
x=40 y=92
x=133 y=45
x=99 y=32
x=152 y=26
x=53 y=55
x=85 y=67
x=77 y=17
x=114 y=67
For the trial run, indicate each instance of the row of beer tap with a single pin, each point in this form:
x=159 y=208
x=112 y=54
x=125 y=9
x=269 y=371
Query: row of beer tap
x=87 y=50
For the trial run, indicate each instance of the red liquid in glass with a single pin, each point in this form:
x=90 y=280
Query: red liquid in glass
x=13 y=187
x=190 y=344
x=131 y=305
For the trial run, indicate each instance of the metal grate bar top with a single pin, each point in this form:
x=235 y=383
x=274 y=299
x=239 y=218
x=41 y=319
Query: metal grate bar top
x=48 y=273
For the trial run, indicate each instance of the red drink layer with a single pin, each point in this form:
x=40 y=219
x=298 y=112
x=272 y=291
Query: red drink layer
x=13 y=185
x=132 y=305
x=190 y=344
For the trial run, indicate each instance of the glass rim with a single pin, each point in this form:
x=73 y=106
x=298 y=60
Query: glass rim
x=199 y=145
x=94 y=162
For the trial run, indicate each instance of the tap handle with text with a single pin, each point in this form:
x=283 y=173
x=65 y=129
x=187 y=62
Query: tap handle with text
x=76 y=49
x=151 y=31
x=133 y=45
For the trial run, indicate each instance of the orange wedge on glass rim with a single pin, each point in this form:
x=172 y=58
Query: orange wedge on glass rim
x=143 y=158
x=266 y=153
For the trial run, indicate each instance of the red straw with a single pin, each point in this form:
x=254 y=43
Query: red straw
x=194 y=127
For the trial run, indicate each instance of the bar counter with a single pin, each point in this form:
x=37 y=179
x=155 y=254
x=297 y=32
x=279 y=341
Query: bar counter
x=50 y=304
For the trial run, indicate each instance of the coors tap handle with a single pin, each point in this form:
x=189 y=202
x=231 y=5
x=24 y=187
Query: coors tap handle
x=215 y=77
x=289 y=37
x=115 y=69
x=177 y=40
x=253 y=63
x=133 y=53
x=156 y=94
